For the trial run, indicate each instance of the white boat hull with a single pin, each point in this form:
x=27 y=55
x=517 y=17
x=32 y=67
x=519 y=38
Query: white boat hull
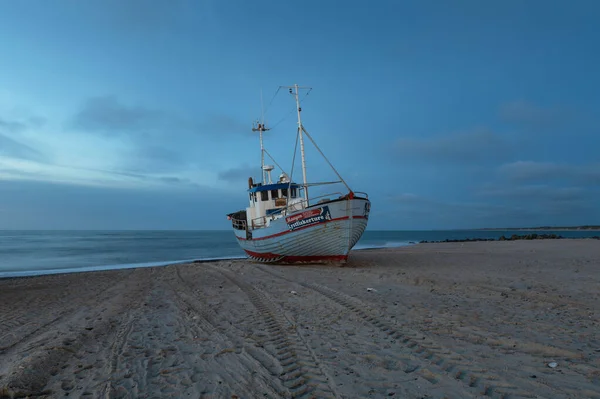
x=322 y=232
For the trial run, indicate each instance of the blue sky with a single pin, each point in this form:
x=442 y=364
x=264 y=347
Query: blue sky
x=137 y=114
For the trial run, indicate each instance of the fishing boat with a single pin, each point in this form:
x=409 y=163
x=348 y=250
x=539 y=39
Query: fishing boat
x=282 y=224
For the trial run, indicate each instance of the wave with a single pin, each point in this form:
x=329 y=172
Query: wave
x=388 y=244
x=42 y=272
x=30 y=273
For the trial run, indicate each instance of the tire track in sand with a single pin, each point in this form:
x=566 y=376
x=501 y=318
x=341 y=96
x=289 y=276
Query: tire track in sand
x=51 y=366
x=480 y=381
x=302 y=374
x=223 y=332
x=118 y=347
x=40 y=315
x=208 y=318
x=31 y=333
x=116 y=350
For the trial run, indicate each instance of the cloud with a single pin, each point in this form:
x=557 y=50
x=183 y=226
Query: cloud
x=146 y=154
x=523 y=112
x=33 y=171
x=170 y=180
x=21 y=124
x=239 y=174
x=154 y=158
x=149 y=140
x=146 y=17
x=174 y=180
x=465 y=147
x=44 y=205
x=410 y=210
x=551 y=204
x=540 y=193
x=223 y=124
x=11 y=126
x=14 y=149
x=107 y=115
x=151 y=15
x=556 y=119
x=408 y=198
x=440 y=207
x=530 y=171
x=548 y=199
x=35 y=121
x=497 y=206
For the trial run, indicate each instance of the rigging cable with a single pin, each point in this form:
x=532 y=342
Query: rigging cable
x=318 y=149
x=292 y=171
x=292 y=111
x=271 y=102
x=274 y=161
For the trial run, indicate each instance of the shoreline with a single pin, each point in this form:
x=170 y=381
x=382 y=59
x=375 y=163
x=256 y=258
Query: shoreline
x=144 y=265
x=514 y=237
x=141 y=265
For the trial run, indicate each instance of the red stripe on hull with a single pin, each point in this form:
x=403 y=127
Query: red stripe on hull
x=301 y=228
x=296 y=259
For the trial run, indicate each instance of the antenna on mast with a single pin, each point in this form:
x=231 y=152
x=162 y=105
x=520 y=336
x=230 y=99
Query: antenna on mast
x=262 y=107
x=260 y=128
x=294 y=90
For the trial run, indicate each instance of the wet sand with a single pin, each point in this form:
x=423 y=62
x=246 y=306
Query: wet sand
x=481 y=319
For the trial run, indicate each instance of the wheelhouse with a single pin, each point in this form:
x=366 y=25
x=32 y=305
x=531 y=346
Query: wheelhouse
x=270 y=201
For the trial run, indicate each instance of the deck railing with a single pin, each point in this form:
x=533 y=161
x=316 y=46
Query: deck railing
x=261 y=221
x=238 y=224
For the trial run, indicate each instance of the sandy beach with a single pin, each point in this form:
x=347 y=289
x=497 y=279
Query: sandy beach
x=447 y=320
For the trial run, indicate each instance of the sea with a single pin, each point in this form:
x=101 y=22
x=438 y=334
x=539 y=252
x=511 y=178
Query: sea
x=30 y=253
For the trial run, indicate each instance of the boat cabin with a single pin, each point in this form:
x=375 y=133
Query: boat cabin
x=268 y=201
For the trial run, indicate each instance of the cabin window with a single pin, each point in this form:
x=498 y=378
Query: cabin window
x=264 y=195
x=250 y=197
x=274 y=194
x=254 y=197
x=284 y=192
x=294 y=192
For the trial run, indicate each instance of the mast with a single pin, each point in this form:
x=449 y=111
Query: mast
x=300 y=130
x=262 y=148
x=260 y=129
